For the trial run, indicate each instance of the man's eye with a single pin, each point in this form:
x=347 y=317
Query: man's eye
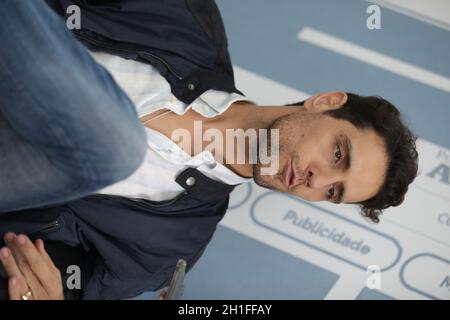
x=330 y=192
x=337 y=153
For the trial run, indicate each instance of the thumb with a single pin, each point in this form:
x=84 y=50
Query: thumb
x=162 y=295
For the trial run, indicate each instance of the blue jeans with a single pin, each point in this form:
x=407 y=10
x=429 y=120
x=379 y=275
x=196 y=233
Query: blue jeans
x=66 y=128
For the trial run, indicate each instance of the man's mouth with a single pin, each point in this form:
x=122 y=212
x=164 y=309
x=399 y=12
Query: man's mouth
x=287 y=174
x=289 y=177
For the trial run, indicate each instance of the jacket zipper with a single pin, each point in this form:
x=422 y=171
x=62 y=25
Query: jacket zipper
x=141 y=201
x=102 y=44
x=164 y=62
x=146 y=203
x=48 y=227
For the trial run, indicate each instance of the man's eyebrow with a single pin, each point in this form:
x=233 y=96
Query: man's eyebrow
x=348 y=150
x=347 y=144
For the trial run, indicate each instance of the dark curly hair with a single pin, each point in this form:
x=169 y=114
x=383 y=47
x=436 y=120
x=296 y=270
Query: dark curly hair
x=372 y=112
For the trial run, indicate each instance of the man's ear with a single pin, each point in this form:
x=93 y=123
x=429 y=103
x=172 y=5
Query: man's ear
x=326 y=101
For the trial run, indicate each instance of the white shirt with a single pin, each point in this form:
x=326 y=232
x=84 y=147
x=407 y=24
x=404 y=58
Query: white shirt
x=164 y=159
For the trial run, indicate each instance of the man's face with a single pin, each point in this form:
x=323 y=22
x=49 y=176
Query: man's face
x=323 y=158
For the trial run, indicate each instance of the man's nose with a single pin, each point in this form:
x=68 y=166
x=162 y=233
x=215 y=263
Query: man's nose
x=318 y=178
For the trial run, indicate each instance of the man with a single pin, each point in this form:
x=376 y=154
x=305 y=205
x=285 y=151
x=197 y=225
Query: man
x=98 y=177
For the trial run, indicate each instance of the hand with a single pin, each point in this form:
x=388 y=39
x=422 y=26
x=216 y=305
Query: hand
x=30 y=269
x=162 y=295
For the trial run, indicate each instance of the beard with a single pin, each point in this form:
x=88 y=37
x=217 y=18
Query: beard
x=291 y=131
x=266 y=181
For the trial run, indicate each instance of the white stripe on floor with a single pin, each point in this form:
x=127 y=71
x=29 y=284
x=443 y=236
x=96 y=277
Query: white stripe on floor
x=374 y=58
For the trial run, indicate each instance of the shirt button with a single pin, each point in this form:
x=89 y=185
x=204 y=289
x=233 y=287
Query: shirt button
x=191 y=86
x=190 y=181
x=211 y=165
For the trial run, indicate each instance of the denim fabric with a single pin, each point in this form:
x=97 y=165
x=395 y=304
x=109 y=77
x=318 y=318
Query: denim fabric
x=66 y=128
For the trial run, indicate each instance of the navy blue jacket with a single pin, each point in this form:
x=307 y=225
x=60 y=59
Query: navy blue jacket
x=131 y=246
x=184 y=39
